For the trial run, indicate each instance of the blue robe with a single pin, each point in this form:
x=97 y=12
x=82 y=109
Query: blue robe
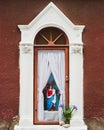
x=49 y=102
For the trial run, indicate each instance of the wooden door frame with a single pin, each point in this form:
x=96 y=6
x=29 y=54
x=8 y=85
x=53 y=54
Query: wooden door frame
x=35 y=104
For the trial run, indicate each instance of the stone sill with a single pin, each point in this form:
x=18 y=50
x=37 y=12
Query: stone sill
x=49 y=127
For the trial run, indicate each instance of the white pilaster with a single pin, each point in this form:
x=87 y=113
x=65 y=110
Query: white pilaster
x=26 y=84
x=76 y=82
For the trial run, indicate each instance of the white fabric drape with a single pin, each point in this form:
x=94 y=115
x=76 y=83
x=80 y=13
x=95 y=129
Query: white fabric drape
x=43 y=75
x=50 y=61
x=57 y=65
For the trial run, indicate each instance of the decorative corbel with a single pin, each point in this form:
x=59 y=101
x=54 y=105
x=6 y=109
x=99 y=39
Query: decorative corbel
x=26 y=48
x=76 y=49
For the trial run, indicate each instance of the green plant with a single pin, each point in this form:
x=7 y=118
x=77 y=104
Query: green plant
x=67 y=112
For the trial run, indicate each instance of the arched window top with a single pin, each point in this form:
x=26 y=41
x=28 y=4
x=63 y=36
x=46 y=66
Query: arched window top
x=51 y=36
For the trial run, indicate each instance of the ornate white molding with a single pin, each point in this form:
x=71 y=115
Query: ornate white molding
x=76 y=48
x=51 y=16
x=27 y=49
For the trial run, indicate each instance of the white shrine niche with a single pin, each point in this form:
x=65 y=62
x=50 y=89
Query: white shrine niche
x=51 y=16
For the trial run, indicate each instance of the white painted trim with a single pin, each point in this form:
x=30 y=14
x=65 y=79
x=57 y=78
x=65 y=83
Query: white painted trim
x=50 y=127
x=51 y=16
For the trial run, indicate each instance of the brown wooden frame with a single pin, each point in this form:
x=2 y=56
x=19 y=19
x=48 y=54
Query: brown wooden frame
x=50 y=46
x=35 y=83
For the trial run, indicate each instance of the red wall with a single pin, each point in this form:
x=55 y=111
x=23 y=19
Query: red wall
x=86 y=12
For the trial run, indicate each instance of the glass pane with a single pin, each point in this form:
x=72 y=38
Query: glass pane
x=50 y=34
x=61 y=40
x=48 y=89
x=40 y=40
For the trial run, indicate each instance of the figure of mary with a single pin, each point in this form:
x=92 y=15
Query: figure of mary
x=50 y=99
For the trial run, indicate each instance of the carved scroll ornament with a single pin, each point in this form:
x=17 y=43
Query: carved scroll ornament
x=76 y=49
x=27 y=49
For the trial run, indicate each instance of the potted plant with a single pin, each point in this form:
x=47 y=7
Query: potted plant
x=67 y=112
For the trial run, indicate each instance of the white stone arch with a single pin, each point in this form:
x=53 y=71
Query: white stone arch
x=51 y=16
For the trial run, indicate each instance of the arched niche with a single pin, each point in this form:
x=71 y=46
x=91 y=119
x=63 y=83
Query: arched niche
x=50 y=16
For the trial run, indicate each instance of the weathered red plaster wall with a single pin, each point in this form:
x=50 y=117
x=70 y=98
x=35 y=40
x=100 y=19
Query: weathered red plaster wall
x=86 y=12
